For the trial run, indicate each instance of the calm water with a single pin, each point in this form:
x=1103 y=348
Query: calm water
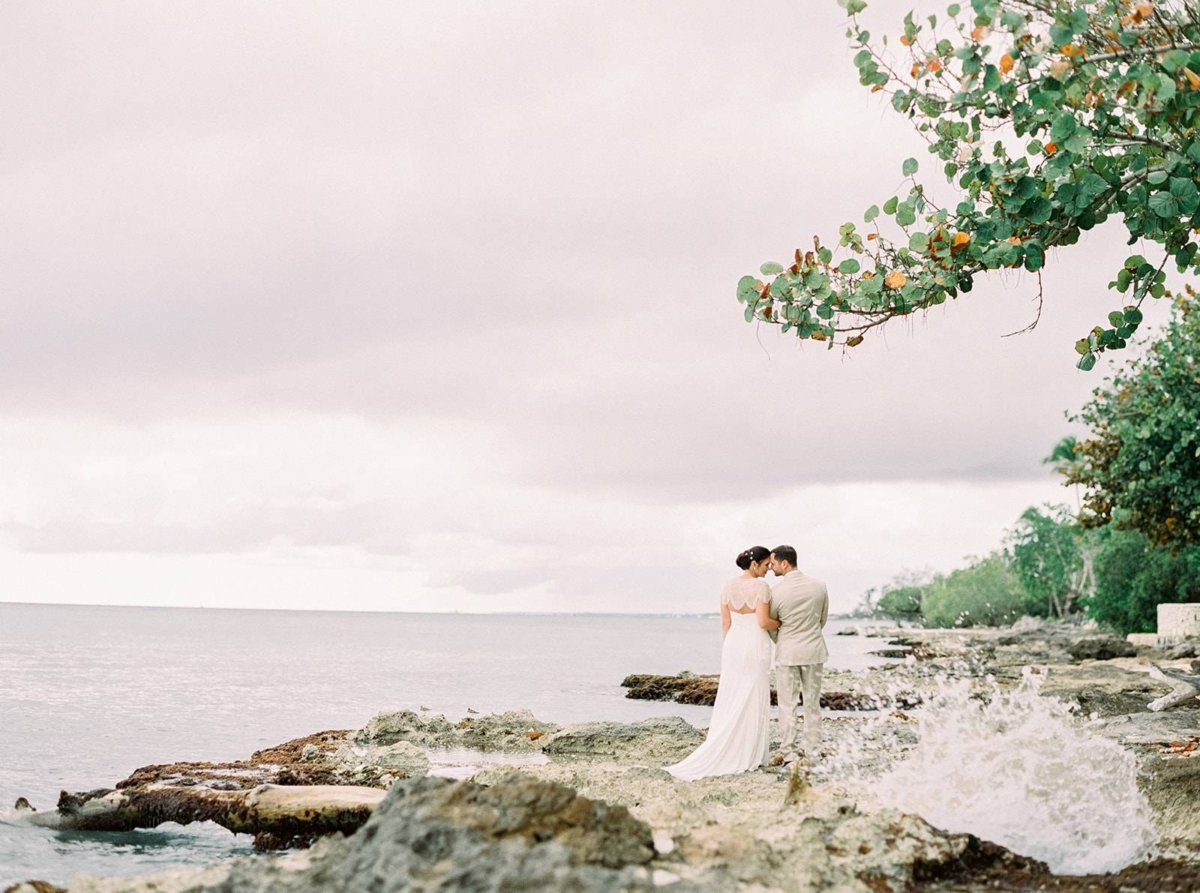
x=87 y=694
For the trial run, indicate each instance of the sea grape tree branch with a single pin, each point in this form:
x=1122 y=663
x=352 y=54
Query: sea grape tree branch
x=1048 y=119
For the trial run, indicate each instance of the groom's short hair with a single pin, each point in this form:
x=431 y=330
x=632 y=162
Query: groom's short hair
x=785 y=553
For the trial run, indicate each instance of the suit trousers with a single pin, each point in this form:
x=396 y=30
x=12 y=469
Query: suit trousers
x=790 y=681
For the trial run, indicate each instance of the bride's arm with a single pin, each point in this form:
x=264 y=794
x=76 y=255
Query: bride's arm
x=726 y=620
x=762 y=610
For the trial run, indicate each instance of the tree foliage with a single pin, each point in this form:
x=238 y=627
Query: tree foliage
x=1133 y=577
x=987 y=593
x=1051 y=556
x=1140 y=466
x=1048 y=117
x=901 y=603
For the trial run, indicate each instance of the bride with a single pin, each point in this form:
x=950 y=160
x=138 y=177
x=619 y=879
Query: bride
x=738 y=735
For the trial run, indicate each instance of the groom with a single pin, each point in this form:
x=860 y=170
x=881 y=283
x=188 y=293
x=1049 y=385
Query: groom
x=801 y=604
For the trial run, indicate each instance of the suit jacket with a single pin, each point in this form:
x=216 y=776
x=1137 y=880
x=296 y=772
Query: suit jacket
x=801 y=604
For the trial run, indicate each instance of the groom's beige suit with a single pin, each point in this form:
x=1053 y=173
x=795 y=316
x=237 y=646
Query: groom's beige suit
x=801 y=604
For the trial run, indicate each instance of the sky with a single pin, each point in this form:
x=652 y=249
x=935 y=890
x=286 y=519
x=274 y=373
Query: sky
x=431 y=307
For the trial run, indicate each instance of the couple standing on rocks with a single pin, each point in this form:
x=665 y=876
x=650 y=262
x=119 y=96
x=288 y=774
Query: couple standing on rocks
x=791 y=613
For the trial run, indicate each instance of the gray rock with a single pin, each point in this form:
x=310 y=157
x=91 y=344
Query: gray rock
x=404 y=725
x=657 y=739
x=1101 y=648
x=514 y=731
x=399 y=760
x=433 y=834
x=1027 y=623
x=1183 y=651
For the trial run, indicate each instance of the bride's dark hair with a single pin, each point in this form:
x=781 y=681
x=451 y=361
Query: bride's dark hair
x=751 y=555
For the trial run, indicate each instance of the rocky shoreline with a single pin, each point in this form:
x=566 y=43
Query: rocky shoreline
x=591 y=808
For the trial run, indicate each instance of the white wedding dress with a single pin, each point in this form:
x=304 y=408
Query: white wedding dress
x=738 y=734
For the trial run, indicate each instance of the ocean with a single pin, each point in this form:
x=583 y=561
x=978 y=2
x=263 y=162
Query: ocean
x=88 y=694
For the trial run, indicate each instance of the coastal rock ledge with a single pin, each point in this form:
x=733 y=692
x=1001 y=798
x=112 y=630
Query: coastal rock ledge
x=590 y=807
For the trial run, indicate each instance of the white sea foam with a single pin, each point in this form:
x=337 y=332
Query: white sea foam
x=1013 y=767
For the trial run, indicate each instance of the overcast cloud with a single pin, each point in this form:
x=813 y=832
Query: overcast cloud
x=431 y=306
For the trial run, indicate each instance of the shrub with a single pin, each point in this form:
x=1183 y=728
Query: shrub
x=987 y=593
x=1133 y=577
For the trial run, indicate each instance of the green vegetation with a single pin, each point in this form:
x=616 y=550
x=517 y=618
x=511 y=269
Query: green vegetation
x=1133 y=577
x=1140 y=466
x=1047 y=118
x=1055 y=568
x=986 y=593
x=902 y=603
x=1052 y=559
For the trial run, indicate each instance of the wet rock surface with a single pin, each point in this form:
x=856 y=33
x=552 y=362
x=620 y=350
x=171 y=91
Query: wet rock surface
x=514 y=731
x=1100 y=648
x=664 y=739
x=521 y=833
x=686 y=688
x=302 y=761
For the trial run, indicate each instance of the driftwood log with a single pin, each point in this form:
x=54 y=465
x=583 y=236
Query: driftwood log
x=277 y=815
x=1186 y=688
x=285 y=796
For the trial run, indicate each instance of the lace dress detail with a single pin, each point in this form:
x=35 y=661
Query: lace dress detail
x=741 y=593
x=738 y=733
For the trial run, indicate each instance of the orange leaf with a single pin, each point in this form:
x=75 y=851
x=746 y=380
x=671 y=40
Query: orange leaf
x=895 y=279
x=980 y=32
x=1051 y=148
x=960 y=240
x=1192 y=78
x=1144 y=9
x=872 y=236
x=904 y=39
x=1059 y=67
x=916 y=69
x=1006 y=63
x=876 y=88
